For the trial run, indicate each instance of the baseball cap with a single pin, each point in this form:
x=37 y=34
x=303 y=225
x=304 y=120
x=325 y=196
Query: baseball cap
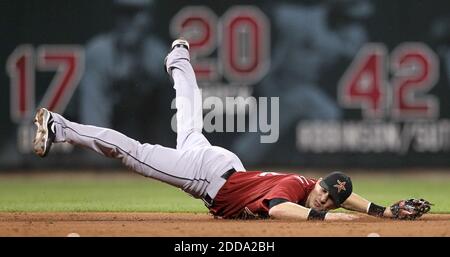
x=339 y=187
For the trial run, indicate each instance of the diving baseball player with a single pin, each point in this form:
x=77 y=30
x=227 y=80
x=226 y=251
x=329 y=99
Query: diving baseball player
x=212 y=173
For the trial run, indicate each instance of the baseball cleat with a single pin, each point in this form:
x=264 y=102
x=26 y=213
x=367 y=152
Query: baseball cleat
x=181 y=42
x=45 y=133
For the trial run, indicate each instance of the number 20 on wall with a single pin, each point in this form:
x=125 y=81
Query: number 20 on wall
x=241 y=37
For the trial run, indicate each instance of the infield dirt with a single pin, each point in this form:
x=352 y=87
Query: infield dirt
x=60 y=224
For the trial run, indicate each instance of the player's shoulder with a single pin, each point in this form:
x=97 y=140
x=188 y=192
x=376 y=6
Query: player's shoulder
x=283 y=175
x=306 y=181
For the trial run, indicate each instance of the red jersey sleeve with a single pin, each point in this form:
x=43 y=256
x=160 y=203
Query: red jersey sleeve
x=289 y=188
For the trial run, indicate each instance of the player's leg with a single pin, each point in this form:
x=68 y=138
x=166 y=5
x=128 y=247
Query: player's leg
x=153 y=161
x=188 y=97
x=189 y=105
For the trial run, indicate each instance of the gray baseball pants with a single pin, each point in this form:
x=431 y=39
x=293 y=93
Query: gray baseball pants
x=195 y=166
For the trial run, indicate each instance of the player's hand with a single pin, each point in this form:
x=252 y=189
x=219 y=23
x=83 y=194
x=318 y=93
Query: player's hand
x=340 y=216
x=408 y=209
x=388 y=213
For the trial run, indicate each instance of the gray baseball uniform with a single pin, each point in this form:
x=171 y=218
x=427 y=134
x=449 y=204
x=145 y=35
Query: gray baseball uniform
x=195 y=165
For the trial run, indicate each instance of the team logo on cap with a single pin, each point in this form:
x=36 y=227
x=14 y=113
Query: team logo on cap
x=340 y=186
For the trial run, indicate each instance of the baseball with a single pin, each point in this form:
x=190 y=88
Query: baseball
x=373 y=234
x=73 y=235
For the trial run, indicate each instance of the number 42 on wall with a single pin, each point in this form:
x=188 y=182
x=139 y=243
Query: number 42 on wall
x=414 y=72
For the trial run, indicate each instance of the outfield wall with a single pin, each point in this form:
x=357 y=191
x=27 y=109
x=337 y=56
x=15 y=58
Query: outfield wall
x=359 y=83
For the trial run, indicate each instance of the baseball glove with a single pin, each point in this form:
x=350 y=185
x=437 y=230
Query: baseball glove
x=410 y=209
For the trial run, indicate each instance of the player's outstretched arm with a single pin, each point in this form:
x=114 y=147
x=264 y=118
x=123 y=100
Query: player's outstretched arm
x=357 y=203
x=404 y=209
x=292 y=211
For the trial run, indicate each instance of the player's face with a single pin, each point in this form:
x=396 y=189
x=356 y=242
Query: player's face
x=319 y=199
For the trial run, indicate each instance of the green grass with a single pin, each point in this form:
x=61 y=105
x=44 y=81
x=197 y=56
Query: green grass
x=135 y=193
x=74 y=194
